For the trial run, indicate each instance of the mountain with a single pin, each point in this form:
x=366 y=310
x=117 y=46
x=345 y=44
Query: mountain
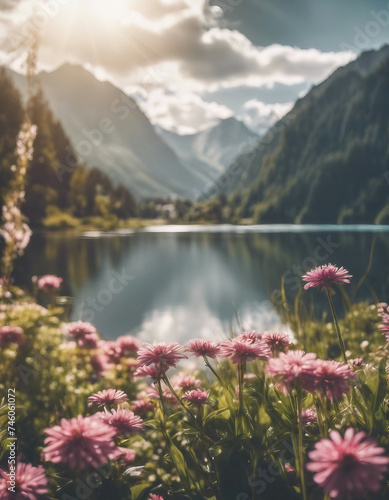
x=208 y=153
x=109 y=131
x=327 y=161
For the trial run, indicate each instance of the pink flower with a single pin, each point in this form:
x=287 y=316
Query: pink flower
x=292 y=369
x=163 y=354
x=181 y=381
x=100 y=364
x=201 y=347
x=289 y=468
x=383 y=311
x=332 y=378
x=167 y=395
x=309 y=415
x=11 y=335
x=384 y=327
x=111 y=349
x=196 y=396
x=49 y=283
x=123 y=421
x=128 y=344
x=125 y=455
x=348 y=467
x=383 y=308
x=153 y=371
x=31 y=483
x=81 y=442
x=83 y=333
x=155 y=497
x=250 y=336
x=141 y=406
x=242 y=350
x=107 y=397
x=358 y=362
x=323 y=277
x=277 y=342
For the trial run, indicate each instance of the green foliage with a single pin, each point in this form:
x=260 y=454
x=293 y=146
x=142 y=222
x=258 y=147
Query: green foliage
x=11 y=116
x=54 y=178
x=325 y=162
x=225 y=449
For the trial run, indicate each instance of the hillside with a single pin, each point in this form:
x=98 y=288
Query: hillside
x=50 y=188
x=325 y=162
x=209 y=152
x=109 y=131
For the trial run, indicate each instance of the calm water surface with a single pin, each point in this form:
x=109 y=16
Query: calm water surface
x=176 y=282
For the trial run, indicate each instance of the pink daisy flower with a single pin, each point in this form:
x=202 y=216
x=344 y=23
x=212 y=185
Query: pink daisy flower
x=141 y=407
x=111 y=349
x=241 y=350
x=167 y=395
x=125 y=455
x=123 y=421
x=49 y=283
x=128 y=344
x=383 y=308
x=348 y=467
x=358 y=362
x=107 y=397
x=181 y=381
x=250 y=336
x=276 y=341
x=100 y=364
x=196 y=396
x=332 y=378
x=83 y=333
x=81 y=442
x=153 y=371
x=163 y=354
x=201 y=348
x=31 y=483
x=293 y=368
x=11 y=335
x=309 y=415
x=323 y=277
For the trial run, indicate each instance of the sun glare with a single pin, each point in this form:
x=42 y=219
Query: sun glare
x=103 y=12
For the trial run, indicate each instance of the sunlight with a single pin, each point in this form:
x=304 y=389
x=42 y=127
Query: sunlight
x=101 y=13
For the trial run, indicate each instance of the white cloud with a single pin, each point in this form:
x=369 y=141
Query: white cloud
x=181 y=112
x=152 y=32
x=260 y=116
x=174 y=49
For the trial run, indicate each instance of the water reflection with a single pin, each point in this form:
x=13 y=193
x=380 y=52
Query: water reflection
x=162 y=284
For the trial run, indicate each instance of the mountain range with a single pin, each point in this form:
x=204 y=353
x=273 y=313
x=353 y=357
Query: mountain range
x=209 y=151
x=108 y=130
x=327 y=160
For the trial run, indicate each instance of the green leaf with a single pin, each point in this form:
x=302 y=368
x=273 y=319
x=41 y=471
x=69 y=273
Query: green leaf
x=137 y=490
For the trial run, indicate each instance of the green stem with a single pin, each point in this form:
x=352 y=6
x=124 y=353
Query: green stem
x=186 y=408
x=300 y=443
x=208 y=364
x=340 y=338
x=241 y=369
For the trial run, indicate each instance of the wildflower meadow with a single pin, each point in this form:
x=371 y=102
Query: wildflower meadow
x=257 y=415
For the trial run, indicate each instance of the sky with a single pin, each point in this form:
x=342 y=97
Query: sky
x=190 y=63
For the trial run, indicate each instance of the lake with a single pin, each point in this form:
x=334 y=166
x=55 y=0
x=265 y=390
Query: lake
x=177 y=282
